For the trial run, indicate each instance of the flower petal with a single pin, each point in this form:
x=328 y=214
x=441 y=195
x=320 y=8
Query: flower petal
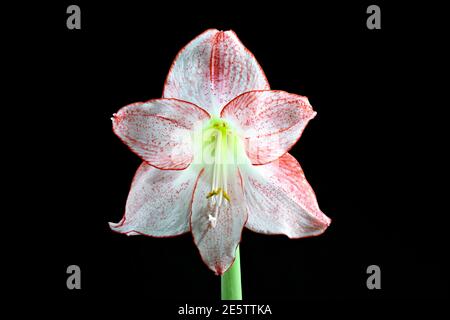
x=159 y=131
x=271 y=122
x=158 y=203
x=280 y=200
x=217 y=245
x=212 y=69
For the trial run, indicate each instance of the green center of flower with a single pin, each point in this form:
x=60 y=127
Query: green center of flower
x=219 y=151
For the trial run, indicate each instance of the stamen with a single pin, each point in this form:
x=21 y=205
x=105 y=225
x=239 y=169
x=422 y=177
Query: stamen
x=221 y=140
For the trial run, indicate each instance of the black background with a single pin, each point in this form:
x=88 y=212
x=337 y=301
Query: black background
x=363 y=154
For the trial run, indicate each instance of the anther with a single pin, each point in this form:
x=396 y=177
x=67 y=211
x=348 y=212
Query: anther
x=213 y=193
x=217 y=192
x=226 y=196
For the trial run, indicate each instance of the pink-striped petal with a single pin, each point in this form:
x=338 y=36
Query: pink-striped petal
x=280 y=200
x=213 y=69
x=159 y=131
x=217 y=245
x=271 y=122
x=158 y=203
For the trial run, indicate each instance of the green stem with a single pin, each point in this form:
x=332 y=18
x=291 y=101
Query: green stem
x=231 y=280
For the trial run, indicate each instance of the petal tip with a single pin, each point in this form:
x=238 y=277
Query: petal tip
x=112 y=225
x=230 y=31
x=115 y=227
x=219 y=271
x=324 y=226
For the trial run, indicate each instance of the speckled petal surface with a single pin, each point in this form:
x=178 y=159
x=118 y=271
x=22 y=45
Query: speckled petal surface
x=158 y=203
x=159 y=131
x=281 y=201
x=271 y=122
x=213 y=69
x=217 y=245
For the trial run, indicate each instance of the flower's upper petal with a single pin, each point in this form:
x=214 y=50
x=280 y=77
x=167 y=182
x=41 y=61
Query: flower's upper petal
x=271 y=122
x=217 y=245
x=158 y=203
x=159 y=131
x=212 y=69
x=280 y=200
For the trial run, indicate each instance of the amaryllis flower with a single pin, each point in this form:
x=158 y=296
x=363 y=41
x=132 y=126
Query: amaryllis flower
x=215 y=154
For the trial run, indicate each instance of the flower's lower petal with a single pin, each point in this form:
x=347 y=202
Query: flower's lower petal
x=159 y=131
x=212 y=69
x=217 y=245
x=271 y=122
x=158 y=203
x=280 y=200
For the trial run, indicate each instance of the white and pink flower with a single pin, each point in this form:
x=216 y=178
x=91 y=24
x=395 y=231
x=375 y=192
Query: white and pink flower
x=215 y=151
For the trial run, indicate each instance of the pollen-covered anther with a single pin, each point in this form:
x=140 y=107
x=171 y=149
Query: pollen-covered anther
x=213 y=193
x=218 y=192
x=226 y=196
